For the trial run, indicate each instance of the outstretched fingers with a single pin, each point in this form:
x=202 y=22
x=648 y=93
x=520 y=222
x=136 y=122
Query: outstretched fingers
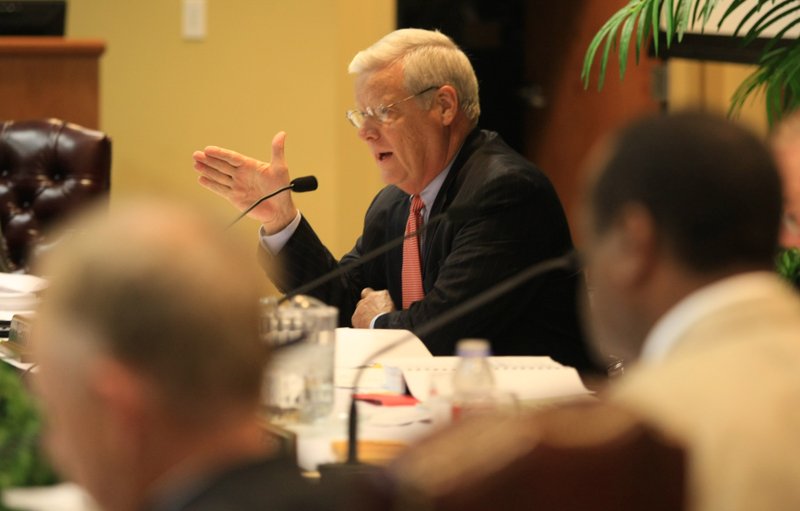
x=212 y=174
x=214 y=186
x=231 y=158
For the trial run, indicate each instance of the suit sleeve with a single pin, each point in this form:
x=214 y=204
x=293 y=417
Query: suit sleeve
x=521 y=223
x=305 y=258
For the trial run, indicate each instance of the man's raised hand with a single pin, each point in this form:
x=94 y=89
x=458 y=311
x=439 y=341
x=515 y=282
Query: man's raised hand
x=242 y=180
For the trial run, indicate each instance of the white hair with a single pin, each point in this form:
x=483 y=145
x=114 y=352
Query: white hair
x=429 y=58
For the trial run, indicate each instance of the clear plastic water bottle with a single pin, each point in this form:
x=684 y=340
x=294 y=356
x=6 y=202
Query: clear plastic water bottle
x=473 y=380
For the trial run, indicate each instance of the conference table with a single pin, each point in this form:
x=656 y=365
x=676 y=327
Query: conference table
x=387 y=425
x=384 y=429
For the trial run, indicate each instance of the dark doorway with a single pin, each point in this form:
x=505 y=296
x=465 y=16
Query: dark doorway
x=528 y=57
x=492 y=34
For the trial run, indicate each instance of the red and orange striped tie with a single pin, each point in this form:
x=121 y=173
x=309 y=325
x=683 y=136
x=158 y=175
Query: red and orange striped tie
x=412 y=265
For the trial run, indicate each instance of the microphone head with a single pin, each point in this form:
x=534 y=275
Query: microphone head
x=304 y=184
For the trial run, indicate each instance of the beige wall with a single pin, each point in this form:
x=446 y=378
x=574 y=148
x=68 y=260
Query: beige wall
x=268 y=66
x=710 y=86
x=265 y=66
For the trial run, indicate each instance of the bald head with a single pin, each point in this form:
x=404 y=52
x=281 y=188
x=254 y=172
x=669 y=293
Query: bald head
x=160 y=289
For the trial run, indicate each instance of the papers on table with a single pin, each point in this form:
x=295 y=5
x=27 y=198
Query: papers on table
x=20 y=283
x=526 y=377
x=411 y=364
x=19 y=293
x=357 y=347
x=61 y=497
x=534 y=380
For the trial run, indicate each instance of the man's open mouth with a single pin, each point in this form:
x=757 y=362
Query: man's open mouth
x=384 y=156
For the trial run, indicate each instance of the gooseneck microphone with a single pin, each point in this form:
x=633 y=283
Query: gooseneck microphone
x=568 y=261
x=304 y=184
x=453 y=214
x=297 y=185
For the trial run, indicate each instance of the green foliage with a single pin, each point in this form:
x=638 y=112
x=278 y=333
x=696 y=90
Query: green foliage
x=778 y=72
x=21 y=462
x=788 y=265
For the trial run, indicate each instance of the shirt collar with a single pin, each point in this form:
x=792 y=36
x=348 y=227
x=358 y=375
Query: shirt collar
x=668 y=330
x=428 y=195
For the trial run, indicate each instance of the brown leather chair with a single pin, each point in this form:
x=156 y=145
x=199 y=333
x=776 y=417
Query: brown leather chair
x=48 y=170
x=593 y=457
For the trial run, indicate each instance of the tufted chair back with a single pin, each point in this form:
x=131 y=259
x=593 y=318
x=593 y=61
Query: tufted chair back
x=48 y=169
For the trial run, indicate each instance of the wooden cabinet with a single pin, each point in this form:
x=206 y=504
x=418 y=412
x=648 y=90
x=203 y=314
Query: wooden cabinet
x=43 y=77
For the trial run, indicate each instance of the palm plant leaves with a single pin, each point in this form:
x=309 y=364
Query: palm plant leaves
x=788 y=265
x=778 y=72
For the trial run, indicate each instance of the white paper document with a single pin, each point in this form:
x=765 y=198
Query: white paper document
x=60 y=497
x=19 y=283
x=356 y=346
x=18 y=293
x=526 y=377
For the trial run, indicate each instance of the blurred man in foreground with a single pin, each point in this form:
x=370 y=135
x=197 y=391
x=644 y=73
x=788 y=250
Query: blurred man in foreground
x=682 y=227
x=417 y=110
x=150 y=367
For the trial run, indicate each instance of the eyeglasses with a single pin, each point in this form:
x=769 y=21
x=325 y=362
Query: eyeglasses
x=381 y=113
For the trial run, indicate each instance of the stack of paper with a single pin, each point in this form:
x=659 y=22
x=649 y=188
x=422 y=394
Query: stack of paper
x=19 y=293
x=410 y=364
x=356 y=351
x=357 y=346
x=528 y=378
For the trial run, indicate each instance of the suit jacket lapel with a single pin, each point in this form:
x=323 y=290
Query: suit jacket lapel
x=443 y=200
x=399 y=215
x=450 y=185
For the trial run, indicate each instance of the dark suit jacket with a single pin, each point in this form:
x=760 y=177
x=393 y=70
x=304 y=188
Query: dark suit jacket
x=520 y=222
x=270 y=483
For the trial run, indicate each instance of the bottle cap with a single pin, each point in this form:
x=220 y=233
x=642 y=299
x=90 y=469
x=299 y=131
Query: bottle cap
x=473 y=348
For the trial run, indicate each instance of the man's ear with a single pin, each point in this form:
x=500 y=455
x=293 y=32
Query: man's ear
x=636 y=247
x=446 y=103
x=123 y=398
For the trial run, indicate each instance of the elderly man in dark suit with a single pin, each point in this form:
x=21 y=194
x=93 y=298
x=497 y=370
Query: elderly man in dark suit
x=418 y=110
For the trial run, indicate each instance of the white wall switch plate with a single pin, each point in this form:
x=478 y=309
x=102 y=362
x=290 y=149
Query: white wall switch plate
x=194 y=20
